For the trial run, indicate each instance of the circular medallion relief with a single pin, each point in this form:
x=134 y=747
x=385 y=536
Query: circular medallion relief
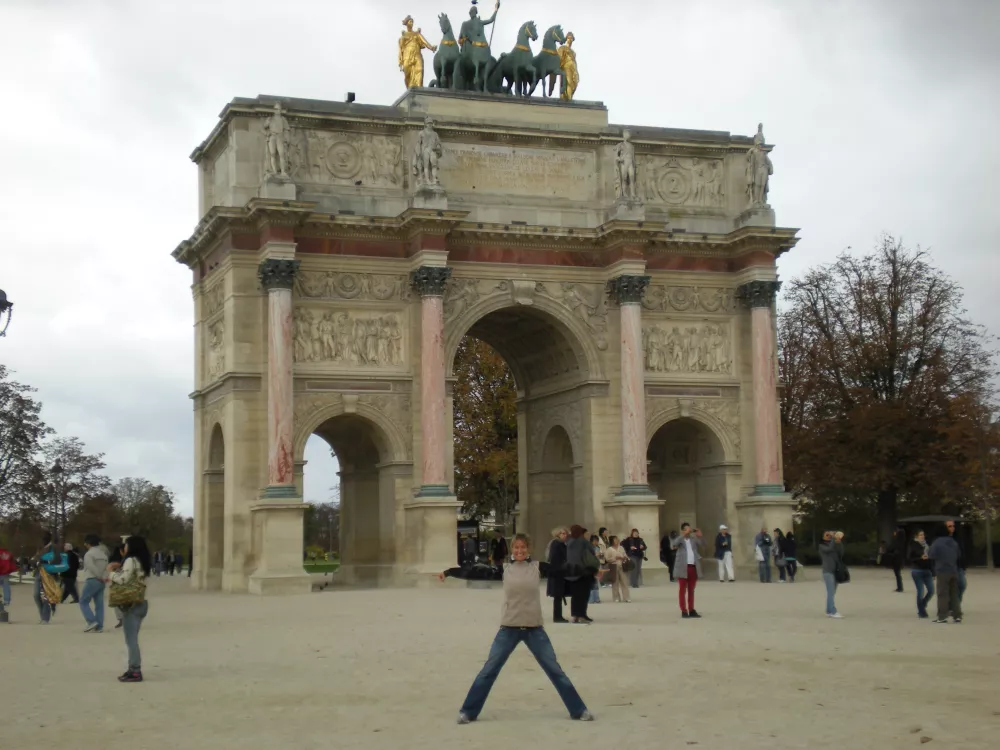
x=674 y=186
x=343 y=160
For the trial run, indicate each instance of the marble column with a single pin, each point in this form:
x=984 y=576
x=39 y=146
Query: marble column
x=759 y=297
x=277 y=276
x=627 y=292
x=429 y=282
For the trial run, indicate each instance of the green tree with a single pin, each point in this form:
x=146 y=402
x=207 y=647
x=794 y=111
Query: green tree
x=485 y=409
x=878 y=364
x=21 y=434
x=73 y=476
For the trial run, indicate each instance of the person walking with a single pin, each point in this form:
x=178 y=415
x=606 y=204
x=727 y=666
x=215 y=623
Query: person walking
x=779 y=555
x=790 y=552
x=521 y=620
x=498 y=549
x=635 y=548
x=616 y=557
x=68 y=577
x=8 y=567
x=762 y=551
x=667 y=553
x=724 y=554
x=595 y=586
x=555 y=586
x=602 y=534
x=95 y=565
x=116 y=556
x=131 y=575
x=946 y=555
x=963 y=559
x=922 y=572
x=49 y=564
x=831 y=554
x=897 y=554
x=580 y=559
x=687 y=567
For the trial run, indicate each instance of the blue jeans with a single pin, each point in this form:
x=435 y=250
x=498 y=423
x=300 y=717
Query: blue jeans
x=537 y=641
x=595 y=593
x=132 y=618
x=831 y=591
x=93 y=589
x=5 y=586
x=961 y=584
x=764 y=571
x=44 y=610
x=923 y=580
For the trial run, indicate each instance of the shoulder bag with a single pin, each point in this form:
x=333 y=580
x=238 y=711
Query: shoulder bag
x=128 y=594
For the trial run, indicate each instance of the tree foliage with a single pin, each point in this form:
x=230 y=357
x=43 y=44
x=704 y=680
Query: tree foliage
x=485 y=409
x=881 y=373
x=21 y=434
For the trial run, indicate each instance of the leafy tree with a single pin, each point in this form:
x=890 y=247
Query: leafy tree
x=77 y=480
x=148 y=509
x=879 y=367
x=485 y=408
x=21 y=434
x=322 y=526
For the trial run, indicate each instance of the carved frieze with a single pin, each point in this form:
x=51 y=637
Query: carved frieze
x=347 y=158
x=353 y=286
x=586 y=302
x=664 y=298
x=216 y=350
x=348 y=338
x=462 y=294
x=684 y=347
x=685 y=181
x=214 y=298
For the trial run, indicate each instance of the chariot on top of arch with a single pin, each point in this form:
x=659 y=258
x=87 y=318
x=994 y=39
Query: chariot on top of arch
x=468 y=63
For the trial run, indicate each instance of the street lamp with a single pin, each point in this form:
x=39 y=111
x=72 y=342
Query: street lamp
x=6 y=310
x=56 y=471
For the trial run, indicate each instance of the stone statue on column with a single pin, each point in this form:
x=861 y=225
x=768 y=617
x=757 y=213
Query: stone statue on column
x=758 y=170
x=276 y=133
x=427 y=153
x=629 y=205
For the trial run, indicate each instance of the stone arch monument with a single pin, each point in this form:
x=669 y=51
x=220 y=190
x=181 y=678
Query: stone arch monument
x=333 y=283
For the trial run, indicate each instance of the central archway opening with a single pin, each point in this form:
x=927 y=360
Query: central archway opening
x=517 y=406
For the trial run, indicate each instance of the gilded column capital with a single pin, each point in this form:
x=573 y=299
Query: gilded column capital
x=627 y=290
x=758 y=293
x=430 y=281
x=277 y=273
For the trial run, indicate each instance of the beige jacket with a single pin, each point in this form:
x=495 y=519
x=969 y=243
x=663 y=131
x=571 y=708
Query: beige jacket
x=615 y=556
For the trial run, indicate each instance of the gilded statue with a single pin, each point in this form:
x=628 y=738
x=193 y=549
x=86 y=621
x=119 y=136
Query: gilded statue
x=411 y=56
x=759 y=169
x=567 y=64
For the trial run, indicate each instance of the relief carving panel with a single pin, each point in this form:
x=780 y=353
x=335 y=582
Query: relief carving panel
x=462 y=294
x=216 y=360
x=688 y=348
x=684 y=181
x=346 y=158
x=525 y=171
x=353 y=286
x=351 y=338
x=586 y=302
x=664 y=298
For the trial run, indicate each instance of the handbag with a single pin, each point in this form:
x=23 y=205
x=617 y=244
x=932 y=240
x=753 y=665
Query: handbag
x=611 y=574
x=628 y=565
x=128 y=594
x=841 y=574
x=758 y=553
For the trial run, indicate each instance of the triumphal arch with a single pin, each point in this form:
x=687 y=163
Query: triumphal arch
x=626 y=274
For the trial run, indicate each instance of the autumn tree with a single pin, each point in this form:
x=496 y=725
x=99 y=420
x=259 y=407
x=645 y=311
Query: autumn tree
x=21 y=434
x=879 y=366
x=485 y=409
x=73 y=476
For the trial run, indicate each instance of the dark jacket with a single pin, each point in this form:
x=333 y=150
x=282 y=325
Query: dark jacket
x=788 y=547
x=831 y=554
x=73 y=563
x=498 y=551
x=580 y=559
x=914 y=556
x=723 y=544
x=556 y=587
x=667 y=553
x=634 y=547
x=946 y=555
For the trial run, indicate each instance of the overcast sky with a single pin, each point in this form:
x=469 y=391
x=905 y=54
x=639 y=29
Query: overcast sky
x=883 y=115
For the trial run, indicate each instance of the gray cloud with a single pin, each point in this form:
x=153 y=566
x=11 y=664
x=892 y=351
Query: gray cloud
x=882 y=114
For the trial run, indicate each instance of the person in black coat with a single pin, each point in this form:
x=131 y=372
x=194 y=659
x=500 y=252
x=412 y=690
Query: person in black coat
x=498 y=549
x=668 y=553
x=897 y=554
x=556 y=587
x=68 y=576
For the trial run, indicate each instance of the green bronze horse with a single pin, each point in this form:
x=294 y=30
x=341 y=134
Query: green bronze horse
x=546 y=62
x=514 y=71
x=446 y=58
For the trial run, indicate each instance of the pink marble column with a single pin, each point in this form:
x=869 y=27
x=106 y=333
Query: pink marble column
x=627 y=292
x=759 y=296
x=429 y=282
x=277 y=276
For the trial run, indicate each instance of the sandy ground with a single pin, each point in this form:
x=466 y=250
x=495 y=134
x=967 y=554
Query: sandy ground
x=385 y=669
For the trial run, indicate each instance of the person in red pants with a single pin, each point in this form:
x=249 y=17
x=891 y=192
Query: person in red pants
x=687 y=567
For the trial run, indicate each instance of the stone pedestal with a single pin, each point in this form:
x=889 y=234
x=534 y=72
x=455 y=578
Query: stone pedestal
x=753 y=512
x=277 y=187
x=635 y=510
x=756 y=216
x=431 y=525
x=277 y=541
x=430 y=196
x=628 y=210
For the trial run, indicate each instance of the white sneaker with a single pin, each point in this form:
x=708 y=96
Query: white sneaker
x=586 y=716
x=463 y=719
x=836 y=616
x=90 y=628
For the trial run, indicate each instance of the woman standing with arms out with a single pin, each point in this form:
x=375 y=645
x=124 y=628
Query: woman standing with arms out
x=615 y=556
x=520 y=620
x=130 y=576
x=831 y=553
x=635 y=548
x=918 y=555
x=555 y=586
x=791 y=550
